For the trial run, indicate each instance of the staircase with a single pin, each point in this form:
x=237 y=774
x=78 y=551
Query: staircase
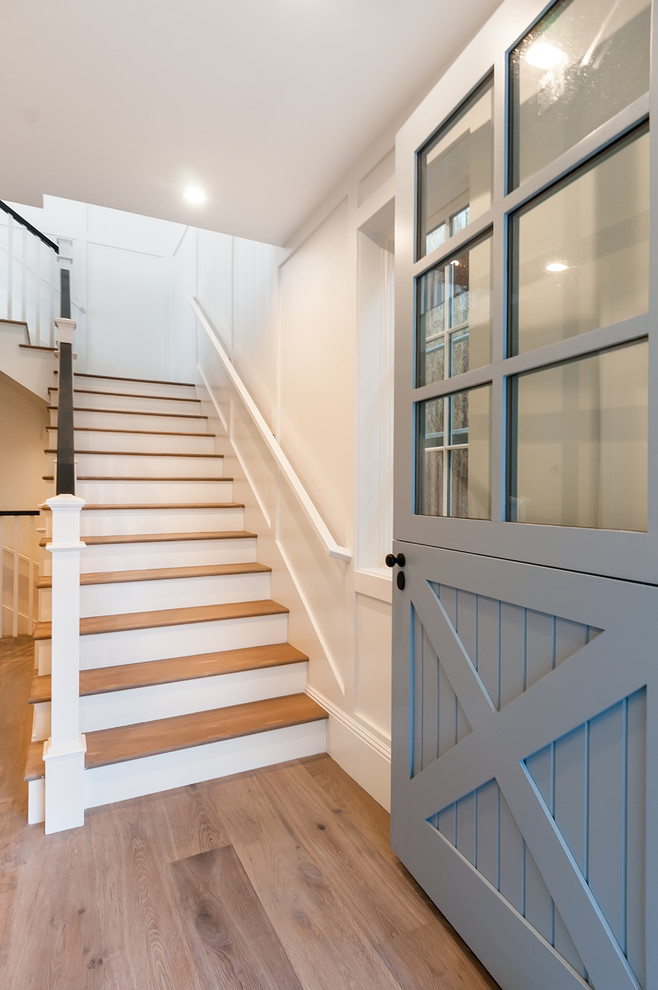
x=185 y=669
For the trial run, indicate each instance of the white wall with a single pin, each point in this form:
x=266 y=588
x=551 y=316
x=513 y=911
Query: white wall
x=23 y=419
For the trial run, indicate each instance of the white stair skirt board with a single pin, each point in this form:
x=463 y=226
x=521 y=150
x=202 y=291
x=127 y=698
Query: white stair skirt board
x=111 y=419
x=145 y=596
x=133 y=403
x=126 y=490
x=160 y=643
x=166 y=771
x=168 y=389
x=172 y=553
x=36 y=801
x=146 y=704
x=146 y=442
x=99 y=522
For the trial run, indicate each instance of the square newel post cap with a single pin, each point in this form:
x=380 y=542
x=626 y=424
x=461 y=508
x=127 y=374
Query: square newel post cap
x=66 y=522
x=65 y=330
x=66 y=503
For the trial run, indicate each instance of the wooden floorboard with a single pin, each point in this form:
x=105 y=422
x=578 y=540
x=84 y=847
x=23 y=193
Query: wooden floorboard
x=92 y=624
x=103 y=680
x=109 y=906
x=231 y=939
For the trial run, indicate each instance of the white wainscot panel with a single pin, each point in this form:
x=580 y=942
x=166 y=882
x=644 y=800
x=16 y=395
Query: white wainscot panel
x=373 y=663
x=125 y=322
x=320 y=581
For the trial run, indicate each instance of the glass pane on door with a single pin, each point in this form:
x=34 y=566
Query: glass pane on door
x=454 y=315
x=456 y=173
x=453 y=455
x=579 y=442
x=579 y=66
x=580 y=254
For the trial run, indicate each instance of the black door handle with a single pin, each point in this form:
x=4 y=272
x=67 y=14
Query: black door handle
x=392 y=560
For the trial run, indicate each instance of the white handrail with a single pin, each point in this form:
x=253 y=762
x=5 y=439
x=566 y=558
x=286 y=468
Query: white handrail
x=302 y=496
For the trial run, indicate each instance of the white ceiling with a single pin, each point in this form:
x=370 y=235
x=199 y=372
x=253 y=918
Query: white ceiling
x=264 y=103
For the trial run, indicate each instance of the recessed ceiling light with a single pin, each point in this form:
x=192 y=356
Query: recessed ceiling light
x=544 y=56
x=193 y=194
x=556 y=266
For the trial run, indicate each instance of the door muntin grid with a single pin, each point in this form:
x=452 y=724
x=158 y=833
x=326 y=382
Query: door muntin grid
x=432 y=367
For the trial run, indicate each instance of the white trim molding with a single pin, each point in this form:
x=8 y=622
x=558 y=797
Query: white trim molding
x=363 y=755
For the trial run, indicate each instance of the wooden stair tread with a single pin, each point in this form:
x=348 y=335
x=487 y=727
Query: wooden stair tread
x=163 y=573
x=158 y=618
x=108 y=746
x=148 y=433
x=140 y=453
x=104 y=680
x=129 y=395
x=120 y=378
x=115 y=539
x=159 y=505
x=133 y=412
x=136 y=477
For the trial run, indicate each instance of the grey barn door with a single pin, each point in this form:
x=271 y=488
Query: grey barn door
x=525 y=721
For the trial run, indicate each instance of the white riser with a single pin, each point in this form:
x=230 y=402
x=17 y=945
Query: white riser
x=152 y=774
x=107 y=419
x=174 y=553
x=104 y=522
x=125 y=385
x=145 y=596
x=134 y=403
x=134 y=646
x=145 y=704
x=122 y=492
x=220 y=759
x=111 y=465
x=166 y=443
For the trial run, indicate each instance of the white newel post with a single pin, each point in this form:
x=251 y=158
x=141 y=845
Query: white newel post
x=64 y=751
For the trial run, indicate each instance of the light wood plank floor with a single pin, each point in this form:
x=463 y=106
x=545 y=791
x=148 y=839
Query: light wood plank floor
x=279 y=879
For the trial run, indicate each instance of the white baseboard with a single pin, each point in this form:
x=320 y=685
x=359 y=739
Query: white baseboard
x=362 y=754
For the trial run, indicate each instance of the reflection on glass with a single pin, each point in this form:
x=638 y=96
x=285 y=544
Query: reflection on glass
x=580 y=65
x=581 y=254
x=453 y=455
x=456 y=173
x=581 y=442
x=454 y=315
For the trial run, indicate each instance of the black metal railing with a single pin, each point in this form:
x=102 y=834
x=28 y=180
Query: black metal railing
x=65 y=481
x=28 y=226
x=65 y=475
